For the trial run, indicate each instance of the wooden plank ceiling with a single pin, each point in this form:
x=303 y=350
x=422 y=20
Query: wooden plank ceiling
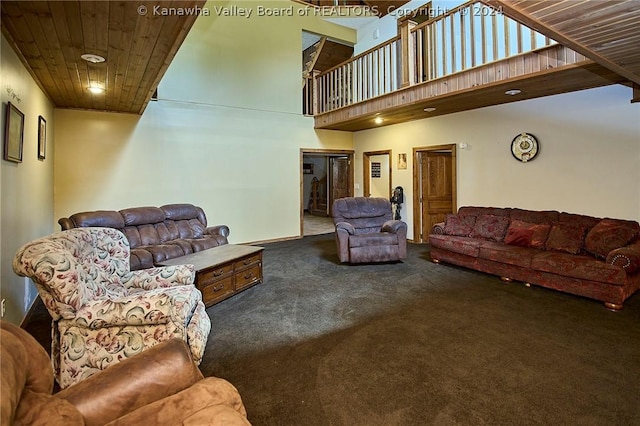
x=137 y=41
x=607 y=32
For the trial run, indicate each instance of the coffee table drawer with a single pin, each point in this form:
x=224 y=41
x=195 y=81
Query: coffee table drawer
x=248 y=276
x=249 y=260
x=209 y=276
x=211 y=293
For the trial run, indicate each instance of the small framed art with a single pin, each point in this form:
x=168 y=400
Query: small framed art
x=13 y=133
x=42 y=137
x=402 y=161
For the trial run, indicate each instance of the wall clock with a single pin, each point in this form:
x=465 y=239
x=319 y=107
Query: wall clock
x=525 y=147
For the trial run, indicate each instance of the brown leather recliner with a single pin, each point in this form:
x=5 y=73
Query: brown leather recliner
x=160 y=386
x=366 y=231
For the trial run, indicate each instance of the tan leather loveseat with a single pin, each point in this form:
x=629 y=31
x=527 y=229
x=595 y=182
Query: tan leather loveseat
x=160 y=386
x=155 y=234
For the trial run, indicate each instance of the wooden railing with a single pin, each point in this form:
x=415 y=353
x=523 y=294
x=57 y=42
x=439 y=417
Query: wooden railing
x=468 y=36
x=369 y=74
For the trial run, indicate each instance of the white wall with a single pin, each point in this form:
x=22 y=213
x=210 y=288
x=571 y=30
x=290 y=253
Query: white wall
x=226 y=133
x=26 y=205
x=589 y=160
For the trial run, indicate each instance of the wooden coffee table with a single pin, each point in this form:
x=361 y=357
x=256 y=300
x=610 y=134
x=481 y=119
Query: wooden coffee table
x=223 y=271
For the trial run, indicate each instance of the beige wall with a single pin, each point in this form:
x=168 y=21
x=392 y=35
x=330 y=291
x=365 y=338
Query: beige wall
x=226 y=133
x=589 y=161
x=26 y=205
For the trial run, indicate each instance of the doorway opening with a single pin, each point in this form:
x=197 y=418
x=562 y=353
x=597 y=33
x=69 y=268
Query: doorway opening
x=325 y=176
x=434 y=188
x=376 y=167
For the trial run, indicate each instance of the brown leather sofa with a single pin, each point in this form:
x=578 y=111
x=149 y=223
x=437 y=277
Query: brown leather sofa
x=598 y=258
x=161 y=386
x=155 y=234
x=366 y=231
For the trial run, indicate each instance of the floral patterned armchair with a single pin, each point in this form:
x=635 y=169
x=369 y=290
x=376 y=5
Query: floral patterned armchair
x=102 y=311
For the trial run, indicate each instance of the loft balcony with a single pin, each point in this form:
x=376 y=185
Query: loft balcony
x=469 y=57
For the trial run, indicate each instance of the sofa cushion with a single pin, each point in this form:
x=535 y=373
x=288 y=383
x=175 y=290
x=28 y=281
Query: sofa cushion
x=142 y=215
x=199 y=244
x=377 y=239
x=567 y=237
x=499 y=252
x=162 y=252
x=588 y=221
x=490 y=227
x=460 y=225
x=610 y=234
x=462 y=245
x=578 y=266
x=531 y=216
x=104 y=218
x=525 y=234
x=479 y=211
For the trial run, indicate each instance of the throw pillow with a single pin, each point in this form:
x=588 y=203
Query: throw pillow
x=525 y=234
x=609 y=234
x=490 y=227
x=567 y=237
x=460 y=225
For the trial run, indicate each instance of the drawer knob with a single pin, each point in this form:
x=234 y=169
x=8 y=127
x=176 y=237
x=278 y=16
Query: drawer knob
x=218 y=273
x=218 y=287
x=249 y=275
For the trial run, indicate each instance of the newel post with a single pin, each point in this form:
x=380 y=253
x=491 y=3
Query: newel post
x=408 y=54
x=314 y=94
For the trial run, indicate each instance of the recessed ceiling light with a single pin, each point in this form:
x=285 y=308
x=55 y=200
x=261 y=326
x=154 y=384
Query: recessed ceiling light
x=94 y=59
x=513 y=92
x=378 y=120
x=95 y=89
x=429 y=109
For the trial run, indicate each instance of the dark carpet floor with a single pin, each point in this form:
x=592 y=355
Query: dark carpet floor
x=414 y=343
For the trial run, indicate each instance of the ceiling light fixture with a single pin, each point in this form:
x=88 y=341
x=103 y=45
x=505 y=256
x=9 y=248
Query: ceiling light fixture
x=378 y=120
x=94 y=59
x=513 y=92
x=95 y=89
x=429 y=109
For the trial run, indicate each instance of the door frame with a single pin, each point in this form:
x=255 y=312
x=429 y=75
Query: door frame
x=328 y=153
x=366 y=170
x=417 y=190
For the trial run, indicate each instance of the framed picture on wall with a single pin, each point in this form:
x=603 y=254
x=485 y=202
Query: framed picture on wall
x=13 y=133
x=42 y=137
x=402 y=161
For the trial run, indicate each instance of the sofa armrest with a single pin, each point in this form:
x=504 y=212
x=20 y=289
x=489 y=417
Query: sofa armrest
x=438 y=228
x=160 y=277
x=218 y=230
x=393 y=226
x=628 y=257
x=155 y=373
x=158 y=306
x=345 y=226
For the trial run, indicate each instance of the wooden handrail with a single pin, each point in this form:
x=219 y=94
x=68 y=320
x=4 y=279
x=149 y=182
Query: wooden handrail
x=360 y=55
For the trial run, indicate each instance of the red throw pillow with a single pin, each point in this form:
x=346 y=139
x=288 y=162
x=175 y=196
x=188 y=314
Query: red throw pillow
x=460 y=225
x=490 y=227
x=609 y=234
x=525 y=234
x=567 y=237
